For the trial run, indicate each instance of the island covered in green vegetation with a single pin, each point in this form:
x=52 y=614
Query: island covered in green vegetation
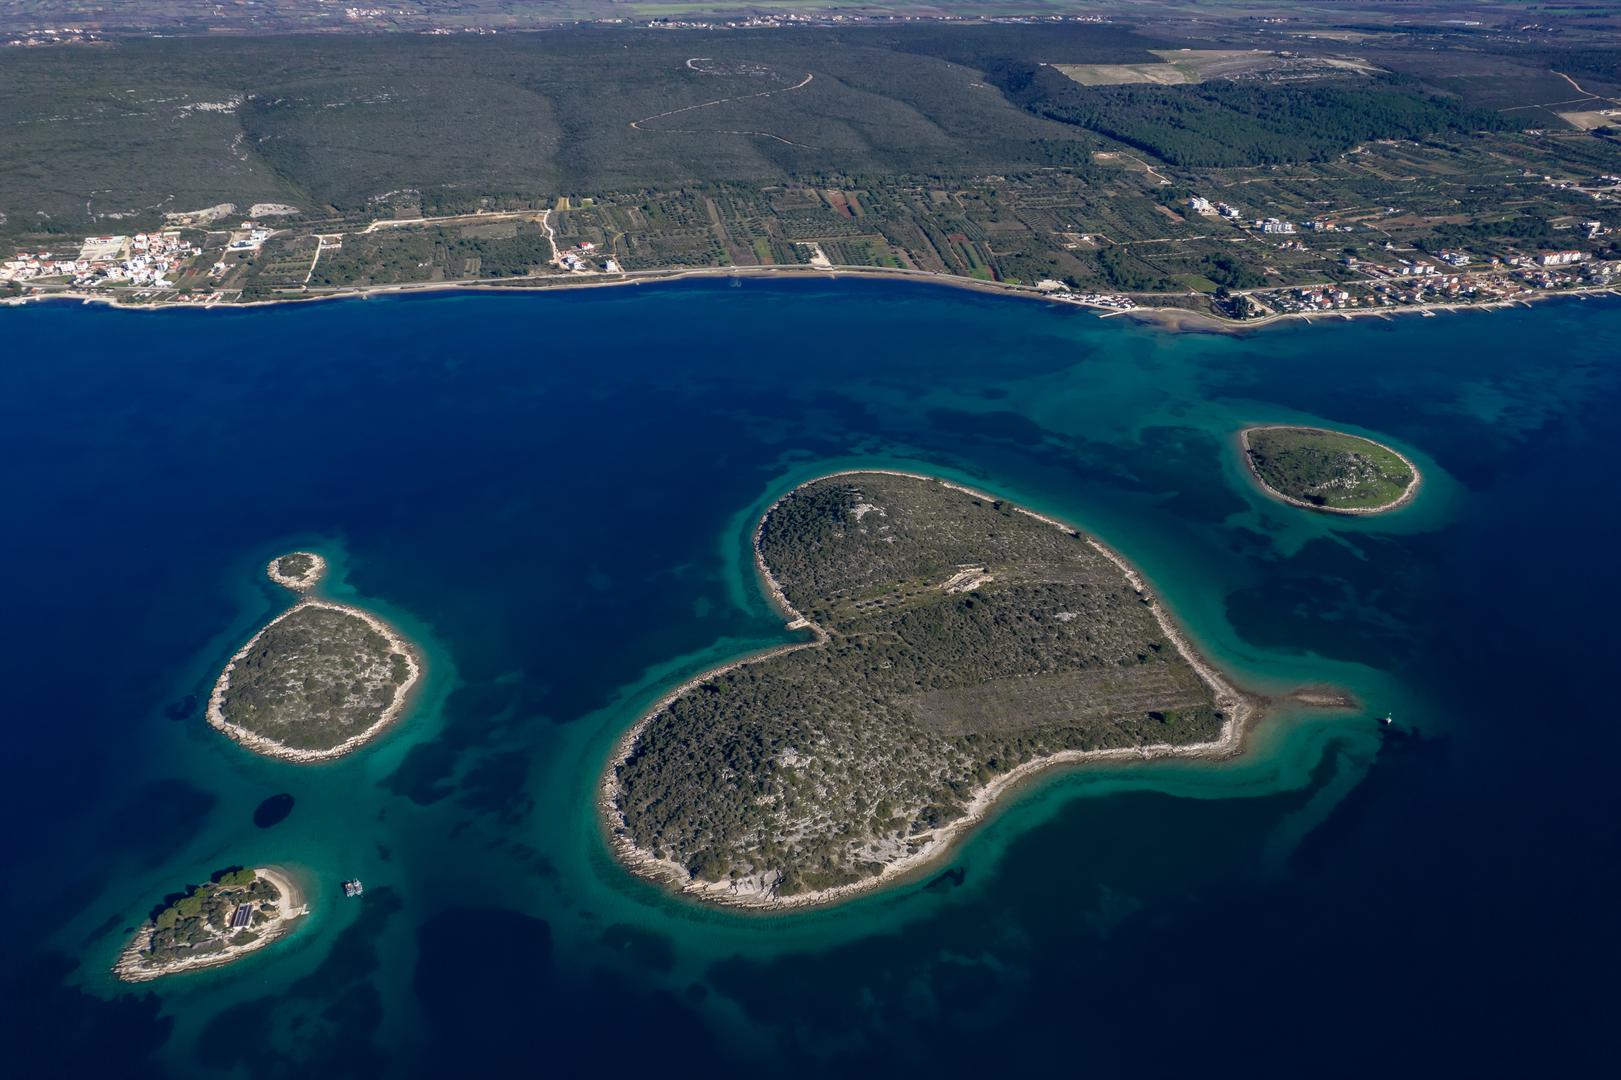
x=960 y=643
x=318 y=681
x=235 y=913
x=1328 y=470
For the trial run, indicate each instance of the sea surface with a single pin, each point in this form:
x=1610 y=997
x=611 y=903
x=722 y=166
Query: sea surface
x=552 y=495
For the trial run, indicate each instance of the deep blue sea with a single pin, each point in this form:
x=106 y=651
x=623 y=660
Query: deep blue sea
x=551 y=495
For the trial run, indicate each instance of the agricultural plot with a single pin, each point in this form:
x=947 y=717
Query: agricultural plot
x=955 y=150
x=1176 y=67
x=962 y=640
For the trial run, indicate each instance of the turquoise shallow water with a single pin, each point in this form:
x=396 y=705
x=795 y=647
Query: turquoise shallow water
x=552 y=495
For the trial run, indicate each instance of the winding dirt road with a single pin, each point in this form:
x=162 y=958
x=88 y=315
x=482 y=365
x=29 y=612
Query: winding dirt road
x=802 y=83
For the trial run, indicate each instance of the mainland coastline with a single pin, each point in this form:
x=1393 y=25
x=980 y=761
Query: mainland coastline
x=1242 y=710
x=1165 y=317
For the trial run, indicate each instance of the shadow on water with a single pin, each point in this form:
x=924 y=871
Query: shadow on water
x=105 y=927
x=183 y=709
x=646 y=948
x=273 y=811
x=947 y=881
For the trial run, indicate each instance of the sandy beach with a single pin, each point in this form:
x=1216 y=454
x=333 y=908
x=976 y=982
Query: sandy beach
x=1407 y=496
x=272 y=748
x=1184 y=320
x=289 y=909
x=1241 y=709
x=545 y=282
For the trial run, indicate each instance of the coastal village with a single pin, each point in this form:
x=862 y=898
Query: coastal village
x=1345 y=263
x=143 y=261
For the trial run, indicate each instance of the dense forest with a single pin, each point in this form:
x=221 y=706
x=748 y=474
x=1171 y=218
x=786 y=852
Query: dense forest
x=1221 y=123
x=199 y=922
x=346 y=121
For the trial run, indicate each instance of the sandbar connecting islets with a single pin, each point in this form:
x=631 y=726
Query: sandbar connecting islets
x=1237 y=707
x=392 y=667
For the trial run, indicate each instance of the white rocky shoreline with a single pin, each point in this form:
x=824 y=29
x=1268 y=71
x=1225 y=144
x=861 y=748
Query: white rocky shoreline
x=303 y=582
x=272 y=748
x=1406 y=496
x=289 y=908
x=1240 y=708
x=1166 y=317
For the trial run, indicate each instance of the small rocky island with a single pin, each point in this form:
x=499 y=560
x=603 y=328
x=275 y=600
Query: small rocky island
x=1328 y=470
x=960 y=643
x=321 y=679
x=298 y=570
x=237 y=912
